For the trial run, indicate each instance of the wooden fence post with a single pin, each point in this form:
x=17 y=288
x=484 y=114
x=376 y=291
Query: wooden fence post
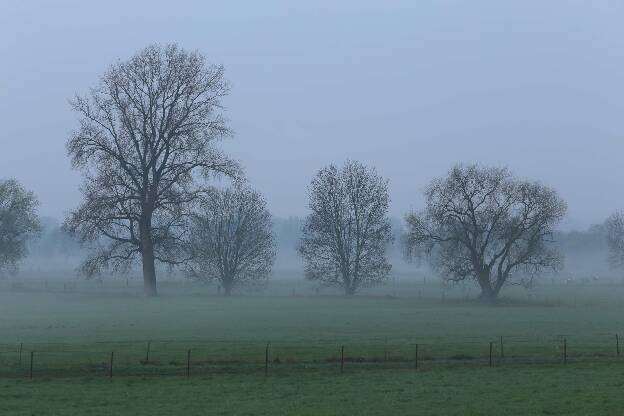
x=341 y=358
x=32 y=358
x=502 y=348
x=188 y=364
x=565 y=350
x=147 y=351
x=617 y=345
x=110 y=369
x=491 y=343
x=416 y=357
x=20 y=353
x=266 y=360
x=386 y=349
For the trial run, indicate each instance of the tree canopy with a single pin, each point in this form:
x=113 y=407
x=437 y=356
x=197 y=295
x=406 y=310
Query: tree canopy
x=146 y=146
x=485 y=224
x=346 y=234
x=19 y=222
x=231 y=238
x=615 y=239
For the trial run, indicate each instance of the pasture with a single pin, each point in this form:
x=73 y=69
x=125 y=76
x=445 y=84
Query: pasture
x=195 y=344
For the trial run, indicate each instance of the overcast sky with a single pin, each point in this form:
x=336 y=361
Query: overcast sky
x=410 y=87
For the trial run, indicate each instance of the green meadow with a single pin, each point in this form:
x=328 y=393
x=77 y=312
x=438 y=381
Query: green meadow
x=323 y=353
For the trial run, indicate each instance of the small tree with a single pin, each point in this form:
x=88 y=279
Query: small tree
x=231 y=239
x=615 y=239
x=347 y=232
x=146 y=143
x=485 y=224
x=18 y=223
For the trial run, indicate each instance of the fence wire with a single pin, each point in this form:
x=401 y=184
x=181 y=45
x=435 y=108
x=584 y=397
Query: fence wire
x=196 y=356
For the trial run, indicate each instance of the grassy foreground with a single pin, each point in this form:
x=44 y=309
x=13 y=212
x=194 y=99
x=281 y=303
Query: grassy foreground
x=578 y=389
x=73 y=331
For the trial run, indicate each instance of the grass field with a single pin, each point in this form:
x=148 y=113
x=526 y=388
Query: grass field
x=73 y=327
x=534 y=390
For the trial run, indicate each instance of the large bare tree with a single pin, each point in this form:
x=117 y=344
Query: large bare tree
x=19 y=222
x=231 y=239
x=347 y=232
x=146 y=145
x=615 y=239
x=484 y=224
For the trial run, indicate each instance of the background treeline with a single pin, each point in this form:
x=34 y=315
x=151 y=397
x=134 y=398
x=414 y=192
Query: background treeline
x=585 y=251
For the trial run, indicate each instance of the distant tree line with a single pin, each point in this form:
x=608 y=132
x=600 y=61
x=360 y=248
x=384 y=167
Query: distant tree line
x=148 y=148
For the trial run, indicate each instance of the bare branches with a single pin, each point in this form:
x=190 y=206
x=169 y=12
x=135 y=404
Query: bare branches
x=231 y=239
x=345 y=236
x=615 y=239
x=18 y=222
x=146 y=143
x=482 y=223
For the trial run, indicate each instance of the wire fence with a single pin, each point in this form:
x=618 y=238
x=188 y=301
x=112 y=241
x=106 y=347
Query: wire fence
x=196 y=357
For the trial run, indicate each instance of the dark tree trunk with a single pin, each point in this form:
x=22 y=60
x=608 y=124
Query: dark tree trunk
x=488 y=297
x=227 y=284
x=348 y=283
x=147 y=258
x=227 y=290
x=149 y=273
x=349 y=289
x=488 y=293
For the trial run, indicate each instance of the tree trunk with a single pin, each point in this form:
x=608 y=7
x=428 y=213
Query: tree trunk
x=147 y=258
x=227 y=284
x=227 y=290
x=488 y=294
x=350 y=290
x=149 y=272
x=348 y=283
x=488 y=297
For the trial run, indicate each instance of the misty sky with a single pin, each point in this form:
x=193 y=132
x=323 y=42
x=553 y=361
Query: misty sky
x=411 y=87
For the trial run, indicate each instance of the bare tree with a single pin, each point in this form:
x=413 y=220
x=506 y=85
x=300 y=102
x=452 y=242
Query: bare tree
x=232 y=239
x=18 y=222
x=346 y=235
x=146 y=145
x=485 y=224
x=615 y=239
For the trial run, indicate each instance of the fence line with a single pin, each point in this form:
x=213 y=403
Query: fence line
x=170 y=357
